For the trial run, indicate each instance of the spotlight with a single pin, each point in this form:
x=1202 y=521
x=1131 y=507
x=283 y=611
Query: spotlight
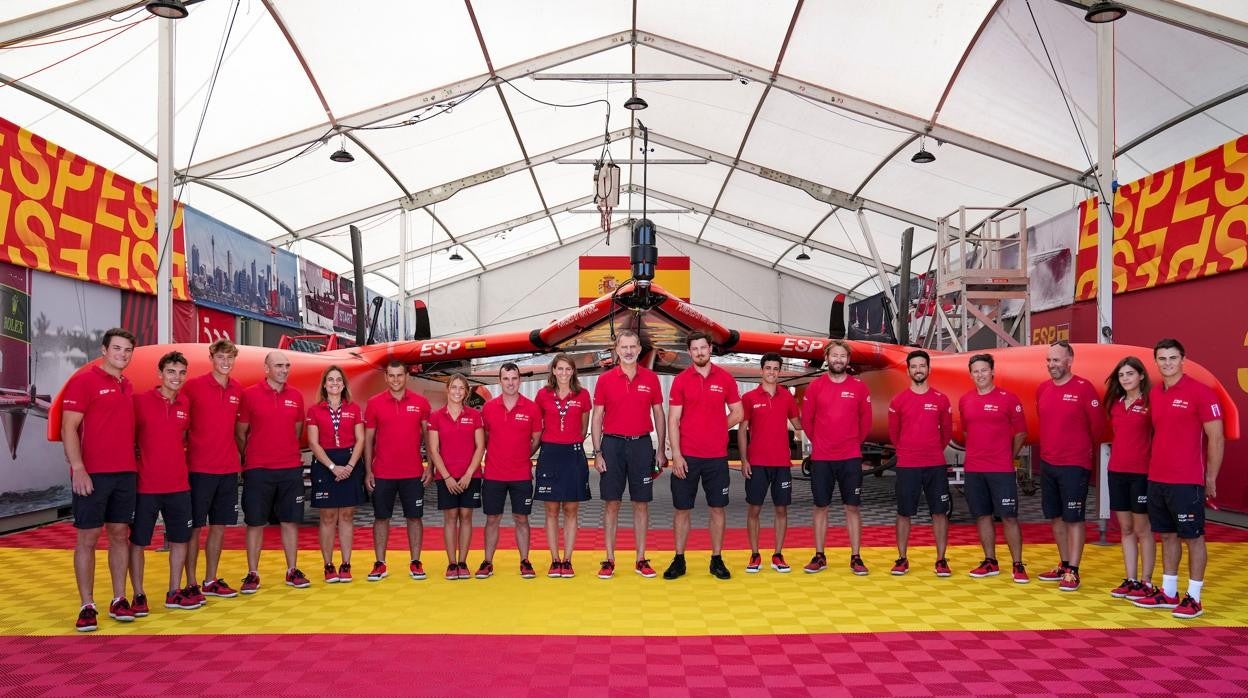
x=1103 y=12
x=455 y=256
x=341 y=155
x=922 y=157
x=170 y=9
x=802 y=256
x=635 y=103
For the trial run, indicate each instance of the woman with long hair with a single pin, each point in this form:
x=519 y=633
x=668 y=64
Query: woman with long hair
x=1126 y=401
x=336 y=437
x=562 y=471
x=456 y=443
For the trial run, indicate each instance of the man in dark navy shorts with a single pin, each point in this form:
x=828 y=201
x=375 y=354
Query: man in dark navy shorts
x=270 y=424
x=513 y=428
x=628 y=405
x=1181 y=474
x=97 y=429
x=767 y=413
x=703 y=406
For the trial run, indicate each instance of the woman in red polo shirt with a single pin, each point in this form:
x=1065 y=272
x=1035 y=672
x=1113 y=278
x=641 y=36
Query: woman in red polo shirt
x=562 y=472
x=336 y=437
x=456 y=443
x=1126 y=401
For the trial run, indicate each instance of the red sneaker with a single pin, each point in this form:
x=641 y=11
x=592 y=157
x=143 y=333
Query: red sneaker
x=415 y=570
x=556 y=569
x=526 y=570
x=452 y=571
x=644 y=569
x=177 y=600
x=219 y=589
x=1070 y=581
x=756 y=561
x=251 y=583
x=818 y=563
x=140 y=607
x=486 y=570
x=1190 y=608
x=297 y=579
x=1140 y=591
x=344 y=573
x=566 y=570
x=1121 y=591
x=900 y=567
x=462 y=570
x=331 y=575
x=856 y=566
x=86 y=619
x=1157 y=600
x=607 y=569
x=1020 y=574
x=195 y=594
x=379 y=572
x=119 y=610
x=778 y=564
x=1053 y=575
x=987 y=568
x=942 y=568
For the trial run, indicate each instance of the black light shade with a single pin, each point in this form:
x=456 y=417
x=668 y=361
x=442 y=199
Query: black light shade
x=922 y=157
x=803 y=257
x=455 y=256
x=1102 y=12
x=635 y=103
x=341 y=155
x=169 y=9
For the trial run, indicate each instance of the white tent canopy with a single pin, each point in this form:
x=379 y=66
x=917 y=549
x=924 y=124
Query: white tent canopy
x=814 y=112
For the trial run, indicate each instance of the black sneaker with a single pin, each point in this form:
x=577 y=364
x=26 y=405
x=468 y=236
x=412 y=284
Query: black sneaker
x=676 y=569
x=718 y=570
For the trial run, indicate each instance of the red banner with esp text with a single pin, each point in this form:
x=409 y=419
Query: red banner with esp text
x=64 y=214
x=1187 y=221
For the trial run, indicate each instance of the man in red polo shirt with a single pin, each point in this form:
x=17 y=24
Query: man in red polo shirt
x=162 y=417
x=513 y=429
x=703 y=406
x=767 y=413
x=628 y=405
x=994 y=430
x=97 y=429
x=395 y=423
x=1183 y=467
x=920 y=426
x=836 y=415
x=1072 y=423
x=212 y=455
x=270 y=425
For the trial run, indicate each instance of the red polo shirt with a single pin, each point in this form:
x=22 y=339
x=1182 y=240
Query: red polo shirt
x=989 y=423
x=456 y=439
x=628 y=404
x=396 y=442
x=561 y=419
x=768 y=419
x=836 y=417
x=272 y=442
x=214 y=411
x=920 y=427
x=160 y=428
x=704 y=416
x=1133 y=436
x=1180 y=413
x=508 y=434
x=322 y=417
x=1071 y=422
x=107 y=428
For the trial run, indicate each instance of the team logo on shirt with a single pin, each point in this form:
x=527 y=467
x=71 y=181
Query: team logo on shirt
x=990 y=407
x=1217 y=411
x=522 y=417
x=847 y=394
x=290 y=403
x=1070 y=397
x=233 y=399
x=643 y=388
x=413 y=408
x=1181 y=404
x=106 y=391
x=759 y=406
x=179 y=414
x=1096 y=403
x=716 y=388
x=930 y=407
x=465 y=420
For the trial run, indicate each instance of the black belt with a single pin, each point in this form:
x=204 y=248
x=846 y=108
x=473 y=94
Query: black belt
x=627 y=438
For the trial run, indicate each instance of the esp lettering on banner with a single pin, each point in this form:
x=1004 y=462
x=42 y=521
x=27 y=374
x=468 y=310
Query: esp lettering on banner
x=62 y=213
x=1187 y=221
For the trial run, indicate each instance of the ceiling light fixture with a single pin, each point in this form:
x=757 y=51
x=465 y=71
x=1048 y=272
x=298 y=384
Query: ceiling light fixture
x=342 y=154
x=168 y=9
x=802 y=256
x=922 y=157
x=455 y=256
x=1103 y=12
x=635 y=103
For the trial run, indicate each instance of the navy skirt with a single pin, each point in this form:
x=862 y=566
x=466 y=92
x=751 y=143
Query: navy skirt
x=562 y=473
x=328 y=493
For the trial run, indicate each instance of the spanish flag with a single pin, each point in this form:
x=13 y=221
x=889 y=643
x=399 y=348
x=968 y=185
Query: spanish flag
x=600 y=275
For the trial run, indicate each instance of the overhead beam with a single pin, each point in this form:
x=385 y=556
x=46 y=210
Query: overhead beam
x=68 y=16
x=862 y=107
x=1184 y=16
x=408 y=105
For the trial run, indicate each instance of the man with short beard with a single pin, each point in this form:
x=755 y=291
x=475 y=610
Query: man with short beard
x=836 y=416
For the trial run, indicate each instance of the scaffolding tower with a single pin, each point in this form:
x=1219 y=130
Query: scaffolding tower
x=981 y=278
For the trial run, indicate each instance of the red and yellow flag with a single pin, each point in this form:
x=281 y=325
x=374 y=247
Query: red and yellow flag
x=601 y=275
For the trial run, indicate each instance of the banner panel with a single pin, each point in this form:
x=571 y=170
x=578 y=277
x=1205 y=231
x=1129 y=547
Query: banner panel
x=1184 y=222
x=240 y=274
x=64 y=214
x=600 y=275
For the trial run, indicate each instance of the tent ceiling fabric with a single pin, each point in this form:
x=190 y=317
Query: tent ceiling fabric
x=439 y=104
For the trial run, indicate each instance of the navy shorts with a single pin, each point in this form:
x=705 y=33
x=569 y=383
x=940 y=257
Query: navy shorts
x=930 y=481
x=992 y=494
x=777 y=479
x=111 y=500
x=410 y=492
x=214 y=499
x=495 y=493
x=330 y=493
x=470 y=498
x=629 y=461
x=1128 y=492
x=1064 y=491
x=562 y=473
x=828 y=475
x=712 y=473
x=173 y=507
x=272 y=494
x=1177 y=509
